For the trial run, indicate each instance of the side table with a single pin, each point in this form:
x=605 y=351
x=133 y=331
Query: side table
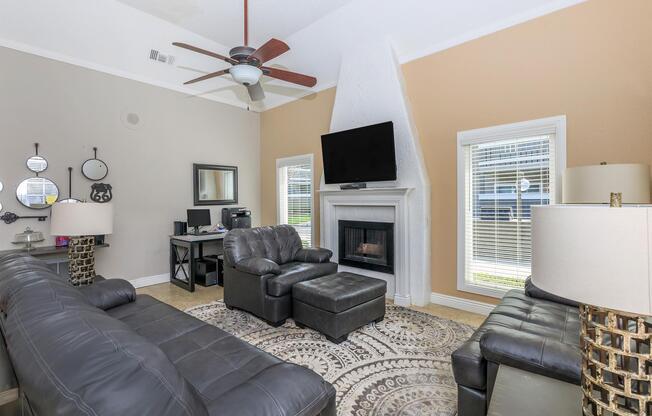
x=519 y=392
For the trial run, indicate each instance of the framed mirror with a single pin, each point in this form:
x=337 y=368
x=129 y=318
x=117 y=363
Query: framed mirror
x=36 y=163
x=95 y=169
x=37 y=193
x=215 y=184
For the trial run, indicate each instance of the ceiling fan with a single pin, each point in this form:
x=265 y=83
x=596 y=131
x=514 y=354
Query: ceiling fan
x=247 y=63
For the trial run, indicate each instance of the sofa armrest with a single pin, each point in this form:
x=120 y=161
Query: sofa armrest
x=533 y=353
x=536 y=292
x=313 y=255
x=109 y=293
x=258 y=265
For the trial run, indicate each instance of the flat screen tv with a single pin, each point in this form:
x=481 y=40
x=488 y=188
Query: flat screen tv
x=365 y=154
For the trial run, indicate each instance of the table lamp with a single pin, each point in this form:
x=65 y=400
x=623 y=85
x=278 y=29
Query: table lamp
x=81 y=222
x=602 y=258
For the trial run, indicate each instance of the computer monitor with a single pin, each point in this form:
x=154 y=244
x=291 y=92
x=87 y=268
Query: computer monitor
x=199 y=217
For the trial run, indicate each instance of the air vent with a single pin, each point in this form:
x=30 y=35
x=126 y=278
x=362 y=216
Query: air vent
x=159 y=57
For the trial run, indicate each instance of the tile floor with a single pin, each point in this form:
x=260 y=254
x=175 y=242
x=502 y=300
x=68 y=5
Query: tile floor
x=182 y=299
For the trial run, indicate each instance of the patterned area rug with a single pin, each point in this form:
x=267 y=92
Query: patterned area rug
x=398 y=367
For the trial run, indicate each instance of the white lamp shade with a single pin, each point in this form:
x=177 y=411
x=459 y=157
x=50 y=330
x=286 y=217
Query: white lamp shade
x=81 y=219
x=595 y=255
x=594 y=184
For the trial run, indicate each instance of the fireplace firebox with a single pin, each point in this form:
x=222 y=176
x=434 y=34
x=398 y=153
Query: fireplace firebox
x=366 y=245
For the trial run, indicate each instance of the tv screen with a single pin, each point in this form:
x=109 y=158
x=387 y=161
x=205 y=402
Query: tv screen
x=365 y=154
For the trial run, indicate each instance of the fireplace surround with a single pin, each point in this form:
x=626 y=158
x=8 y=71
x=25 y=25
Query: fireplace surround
x=366 y=245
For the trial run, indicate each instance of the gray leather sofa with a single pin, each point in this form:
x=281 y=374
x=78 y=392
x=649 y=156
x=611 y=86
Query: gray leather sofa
x=103 y=350
x=261 y=265
x=532 y=330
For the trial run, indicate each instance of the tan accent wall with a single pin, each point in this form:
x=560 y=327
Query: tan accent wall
x=291 y=130
x=591 y=62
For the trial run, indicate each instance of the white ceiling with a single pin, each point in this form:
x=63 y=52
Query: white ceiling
x=115 y=36
x=222 y=20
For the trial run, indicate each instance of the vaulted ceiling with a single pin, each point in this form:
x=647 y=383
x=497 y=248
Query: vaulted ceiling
x=116 y=36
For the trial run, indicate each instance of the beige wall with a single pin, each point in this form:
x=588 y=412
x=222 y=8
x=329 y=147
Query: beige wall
x=291 y=130
x=69 y=109
x=591 y=62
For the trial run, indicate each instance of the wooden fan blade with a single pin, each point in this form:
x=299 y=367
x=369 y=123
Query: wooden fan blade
x=270 y=50
x=207 y=76
x=293 y=77
x=256 y=92
x=205 y=52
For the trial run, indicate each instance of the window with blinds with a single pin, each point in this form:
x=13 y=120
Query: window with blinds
x=503 y=179
x=295 y=195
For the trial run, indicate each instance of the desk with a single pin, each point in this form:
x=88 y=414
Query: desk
x=519 y=392
x=183 y=249
x=54 y=256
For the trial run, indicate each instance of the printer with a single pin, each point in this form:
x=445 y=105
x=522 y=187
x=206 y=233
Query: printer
x=236 y=218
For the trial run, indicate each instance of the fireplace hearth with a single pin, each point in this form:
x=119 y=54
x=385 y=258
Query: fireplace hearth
x=366 y=245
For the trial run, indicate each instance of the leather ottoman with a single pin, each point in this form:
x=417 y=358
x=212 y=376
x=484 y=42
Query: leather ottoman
x=338 y=304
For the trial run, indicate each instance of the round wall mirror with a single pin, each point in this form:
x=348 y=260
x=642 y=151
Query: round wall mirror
x=1 y=186
x=37 y=193
x=36 y=163
x=95 y=169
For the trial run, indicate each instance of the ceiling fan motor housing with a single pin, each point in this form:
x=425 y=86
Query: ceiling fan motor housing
x=241 y=53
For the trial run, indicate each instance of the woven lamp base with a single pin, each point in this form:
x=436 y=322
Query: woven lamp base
x=81 y=257
x=616 y=362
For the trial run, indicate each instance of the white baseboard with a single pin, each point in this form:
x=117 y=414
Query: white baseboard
x=150 y=280
x=460 y=303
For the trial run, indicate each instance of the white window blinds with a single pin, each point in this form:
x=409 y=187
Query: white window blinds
x=295 y=195
x=504 y=178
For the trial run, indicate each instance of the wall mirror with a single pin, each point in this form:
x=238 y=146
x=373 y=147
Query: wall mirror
x=1 y=188
x=36 y=163
x=95 y=169
x=215 y=184
x=37 y=193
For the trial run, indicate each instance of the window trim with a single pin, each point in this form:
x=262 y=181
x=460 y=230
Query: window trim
x=555 y=125
x=307 y=158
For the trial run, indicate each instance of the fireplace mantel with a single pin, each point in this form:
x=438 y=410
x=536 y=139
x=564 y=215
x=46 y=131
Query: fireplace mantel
x=372 y=204
x=364 y=191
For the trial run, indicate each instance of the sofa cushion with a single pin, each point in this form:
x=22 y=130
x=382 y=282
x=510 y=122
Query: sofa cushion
x=227 y=372
x=70 y=356
x=518 y=311
x=339 y=292
x=295 y=272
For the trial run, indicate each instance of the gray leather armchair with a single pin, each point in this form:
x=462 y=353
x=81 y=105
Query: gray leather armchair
x=262 y=264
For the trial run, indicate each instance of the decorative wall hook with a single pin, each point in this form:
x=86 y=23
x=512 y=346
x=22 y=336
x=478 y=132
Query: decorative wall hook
x=10 y=217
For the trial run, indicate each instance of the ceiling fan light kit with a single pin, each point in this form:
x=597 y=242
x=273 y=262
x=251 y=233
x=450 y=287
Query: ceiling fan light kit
x=248 y=63
x=246 y=74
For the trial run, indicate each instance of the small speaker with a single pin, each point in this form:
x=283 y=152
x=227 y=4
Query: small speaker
x=180 y=228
